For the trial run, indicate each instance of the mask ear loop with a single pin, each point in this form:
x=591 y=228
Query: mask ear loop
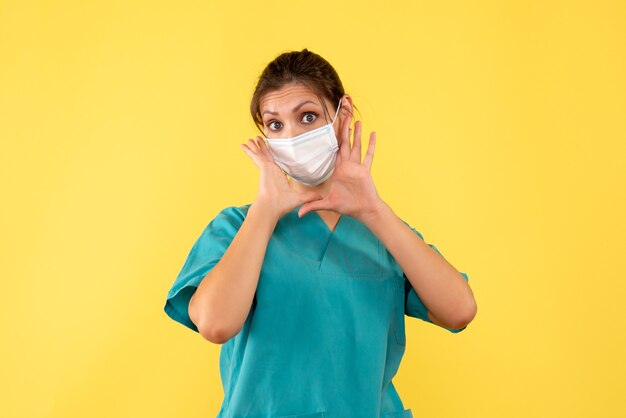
x=337 y=112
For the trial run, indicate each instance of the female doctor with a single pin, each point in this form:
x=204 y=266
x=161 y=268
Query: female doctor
x=307 y=287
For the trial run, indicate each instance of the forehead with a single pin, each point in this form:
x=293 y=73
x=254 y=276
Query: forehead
x=287 y=96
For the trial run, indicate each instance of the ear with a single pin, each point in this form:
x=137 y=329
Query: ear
x=347 y=106
x=346 y=111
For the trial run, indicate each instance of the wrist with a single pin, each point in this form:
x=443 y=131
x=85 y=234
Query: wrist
x=376 y=213
x=265 y=210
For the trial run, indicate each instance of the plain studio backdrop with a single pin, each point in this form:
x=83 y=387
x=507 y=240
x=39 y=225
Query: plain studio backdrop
x=501 y=132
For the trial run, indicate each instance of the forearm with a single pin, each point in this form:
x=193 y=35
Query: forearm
x=442 y=289
x=222 y=301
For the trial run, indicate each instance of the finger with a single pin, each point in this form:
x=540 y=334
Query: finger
x=344 y=148
x=263 y=147
x=254 y=147
x=254 y=150
x=310 y=196
x=249 y=153
x=369 y=155
x=267 y=153
x=355 y=155
x=320 y=204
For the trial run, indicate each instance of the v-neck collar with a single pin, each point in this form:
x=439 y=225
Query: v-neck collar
x=320 y=219
x=309 y=235
x=351 y=249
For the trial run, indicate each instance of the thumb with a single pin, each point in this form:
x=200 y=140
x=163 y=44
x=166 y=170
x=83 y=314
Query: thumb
x=309 y=197
x=315 y=204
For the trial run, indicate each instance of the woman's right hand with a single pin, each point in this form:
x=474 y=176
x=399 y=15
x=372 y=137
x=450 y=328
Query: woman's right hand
x=275 y=193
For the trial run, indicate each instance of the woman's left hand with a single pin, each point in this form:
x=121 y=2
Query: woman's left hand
x=352 y=191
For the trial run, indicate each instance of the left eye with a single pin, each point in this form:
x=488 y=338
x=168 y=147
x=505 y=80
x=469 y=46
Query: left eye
x=309 y=117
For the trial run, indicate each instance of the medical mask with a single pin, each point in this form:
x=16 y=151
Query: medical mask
x=308 y=158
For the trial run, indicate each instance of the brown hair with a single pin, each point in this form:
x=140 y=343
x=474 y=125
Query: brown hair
x=302 y=67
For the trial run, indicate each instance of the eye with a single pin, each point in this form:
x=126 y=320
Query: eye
x=309 y=117
x=272 y=126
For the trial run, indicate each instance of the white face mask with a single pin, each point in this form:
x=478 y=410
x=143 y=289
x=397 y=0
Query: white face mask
x=308 y=158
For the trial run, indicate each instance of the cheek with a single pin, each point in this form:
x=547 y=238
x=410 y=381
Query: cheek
x=338 y=135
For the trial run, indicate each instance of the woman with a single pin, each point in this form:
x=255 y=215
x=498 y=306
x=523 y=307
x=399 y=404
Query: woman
x=307 y=287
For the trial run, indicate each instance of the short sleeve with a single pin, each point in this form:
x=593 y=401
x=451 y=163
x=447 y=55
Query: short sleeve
x=414 y=306
x=203 y=256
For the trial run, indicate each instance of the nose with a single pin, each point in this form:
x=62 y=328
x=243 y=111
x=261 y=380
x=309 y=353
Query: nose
x=290 y=132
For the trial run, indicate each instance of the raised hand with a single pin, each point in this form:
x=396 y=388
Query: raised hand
x=352 y=191
x=274 y=190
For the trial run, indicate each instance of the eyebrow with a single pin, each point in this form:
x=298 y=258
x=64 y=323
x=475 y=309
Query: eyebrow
x=295 y=109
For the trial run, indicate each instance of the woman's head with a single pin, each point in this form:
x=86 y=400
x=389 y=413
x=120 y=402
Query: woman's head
x=296 y=92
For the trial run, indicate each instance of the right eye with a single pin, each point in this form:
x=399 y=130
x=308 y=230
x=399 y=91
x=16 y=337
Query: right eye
x=272 y=125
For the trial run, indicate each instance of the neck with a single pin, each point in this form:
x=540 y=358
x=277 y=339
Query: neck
x=322 y=188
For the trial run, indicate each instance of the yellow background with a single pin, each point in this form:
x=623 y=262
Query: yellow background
x=501 y=138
